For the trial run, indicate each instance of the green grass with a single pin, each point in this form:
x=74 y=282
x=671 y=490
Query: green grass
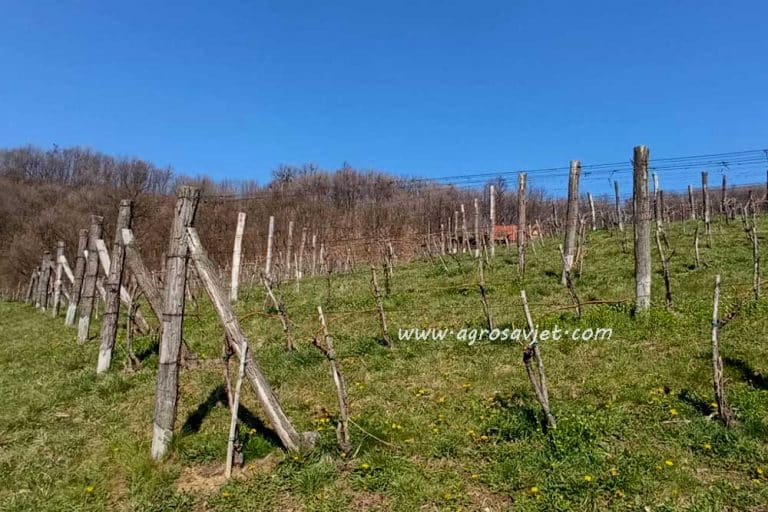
x=460 y=425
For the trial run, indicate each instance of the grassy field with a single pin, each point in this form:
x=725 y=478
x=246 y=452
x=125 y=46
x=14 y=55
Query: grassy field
x=438 y=425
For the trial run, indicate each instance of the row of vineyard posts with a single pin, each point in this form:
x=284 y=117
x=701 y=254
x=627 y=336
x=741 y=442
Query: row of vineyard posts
x=120 y=278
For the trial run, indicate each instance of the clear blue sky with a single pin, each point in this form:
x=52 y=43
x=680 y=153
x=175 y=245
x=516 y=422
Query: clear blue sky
x=426 y=88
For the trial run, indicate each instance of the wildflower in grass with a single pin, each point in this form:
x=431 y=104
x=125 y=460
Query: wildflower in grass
x=614 y=472
x=587 y=478
x=759 y=471
x=364 y=466
x=755 y=481
x=673 y=412
x=483 y=438
x=226 y=494
x=89 y=489
x=619 y=494
x=713 y=405
x=441 y=400
x=435 y=430
x=466 y=386
x=474 y=476
x=708 y=447
x=669 y=463
x=534 y=490
x=447 y=496
x=471 y=433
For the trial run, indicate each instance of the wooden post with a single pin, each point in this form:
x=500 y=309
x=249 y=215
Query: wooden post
x=57 y=282
x=235 y=406
x=724 y=412
x=691 y=203
x=723 y=199
x=442 y=239
x=572 y=217
x=77 y=286
x=477 y=227
x=619 y=215
x=290 y=438
x=289 y=249
x=89 y=281
x=280 y=307
x=380 y=307
x=30 y=296
x=705 y=201
x=45 y=278
x=656 y=202
x=314 y=254
x=455 y=232
x=464 y=230
x=114 y=280
x=300 y=262
x=592 y=211
x=342 y=429
x=483 y=294
x=143 y=278
x=166 y=397
x=492 y=231
x=236 y=252
x=270 y=241
x=642 y=217
x=665 y=268
x=522 y=231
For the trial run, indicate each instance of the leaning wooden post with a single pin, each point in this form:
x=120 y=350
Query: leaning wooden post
x=380 y=307
x=77 y=285
x=114 y=280
x=619 y=215
x=572 y=217
x=235 y=406
x=642 y=218
x=705 y=201
x=724 y=412
x=270 y=242
x=167 y=391
x=522 y=226
x=288 y=435
x=484 y=294
x=89 y=281
x=342 y=429
x=492 y=231
x=236 y=254
x=592 y=211
x=30 y=296
x=58 y=279
x=143 y=278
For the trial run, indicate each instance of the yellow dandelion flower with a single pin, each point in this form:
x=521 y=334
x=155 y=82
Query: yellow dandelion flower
x=673 y=412
x=364 y=466
x=619 y=494
x=89 y=489
x=435 y=430
x=587 y=478
x=483 y=438
x=475 y=476
x=534 y=490
x=755 y=481
x=707 y=446
x=669 y=463
x=226 y=494
x=447 y=496
x=713 y=405
x=759 y=471
x=614 y=472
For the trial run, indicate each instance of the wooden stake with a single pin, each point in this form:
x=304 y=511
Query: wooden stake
x=531 y=351
x=724 y=412
x=483 y=295
x=45 y=278
x=57 y=283
x=280 y=307
x=705 y=200
x=691 y=203
x=477 y=227
x=234 y=408
x=79 y=274
x=619 y=215
x=270 y=241
x=492 y=199
x=522 y=232
x=289 y=249
x=592 y=211
x=236 y=252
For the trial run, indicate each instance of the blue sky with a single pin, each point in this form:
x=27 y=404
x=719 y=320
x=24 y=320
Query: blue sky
x=422 y=88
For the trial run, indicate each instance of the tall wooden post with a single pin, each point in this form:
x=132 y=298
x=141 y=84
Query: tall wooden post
x=619 y=215
x=522 y=226
x=167 y=393
x=236 y=254
x=723 y=199
x=705 y=201
x=592 y=211
x=59 y=275
x=492 y=229
x=464 y=230
x=114 y=280
x=45 y=278
x=642 y=219
x=270 y=241
x=455 y=231
x=300 y=262
x=657 y=213
x=77 y=285
x=314 y=254
x=289 y=250
x=691 y=203
x=89 y=281
x=572 y=217
x=477 y=227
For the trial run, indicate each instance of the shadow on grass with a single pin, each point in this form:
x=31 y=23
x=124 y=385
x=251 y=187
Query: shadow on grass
x=218 y=397
x=748 y=374
x=703 y=407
